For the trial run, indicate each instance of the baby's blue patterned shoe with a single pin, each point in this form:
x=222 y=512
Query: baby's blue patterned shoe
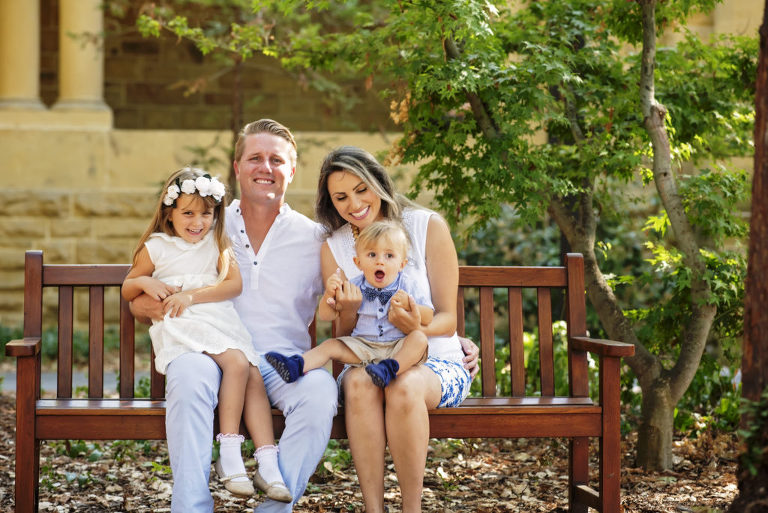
x=383 y=372
x=290 y=368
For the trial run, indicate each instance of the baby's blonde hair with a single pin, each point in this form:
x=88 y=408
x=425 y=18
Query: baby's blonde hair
x=387 y=229
x=161 y=221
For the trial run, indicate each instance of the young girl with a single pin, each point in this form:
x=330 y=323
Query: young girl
x=184 y=259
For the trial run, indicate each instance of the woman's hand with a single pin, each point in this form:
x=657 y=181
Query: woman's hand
x=471 y=356
x=405 y=318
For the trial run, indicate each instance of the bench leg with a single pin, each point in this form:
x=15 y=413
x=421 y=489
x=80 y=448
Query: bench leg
x=610 y=442
x=27 y=446
x=27 y=476
x=578 y=472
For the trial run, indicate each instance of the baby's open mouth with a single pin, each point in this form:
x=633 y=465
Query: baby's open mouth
x=379 y=275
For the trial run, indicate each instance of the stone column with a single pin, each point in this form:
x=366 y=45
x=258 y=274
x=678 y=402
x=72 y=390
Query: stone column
x=20 y=55
x=81 y=56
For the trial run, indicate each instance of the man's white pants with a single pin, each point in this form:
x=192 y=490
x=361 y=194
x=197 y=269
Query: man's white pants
x=192 y=387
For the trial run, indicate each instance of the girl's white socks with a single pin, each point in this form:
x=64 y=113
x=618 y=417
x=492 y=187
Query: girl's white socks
x=266 y=456
x=230 y=455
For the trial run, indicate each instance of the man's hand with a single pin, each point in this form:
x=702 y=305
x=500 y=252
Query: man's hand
x=471 y=356
x=145 y=309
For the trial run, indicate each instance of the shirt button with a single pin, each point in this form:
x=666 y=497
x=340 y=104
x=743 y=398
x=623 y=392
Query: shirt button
x=381 y=309
x=255 y=262
x=242 y=231
x=247 y=245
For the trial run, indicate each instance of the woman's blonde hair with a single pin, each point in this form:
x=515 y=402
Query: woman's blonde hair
x=161 y=221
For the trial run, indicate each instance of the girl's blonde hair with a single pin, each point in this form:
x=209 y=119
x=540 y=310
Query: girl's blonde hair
x=161 y=221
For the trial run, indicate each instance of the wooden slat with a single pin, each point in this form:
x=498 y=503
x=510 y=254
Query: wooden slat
x=156 y=380
x=460 y=327
x=96 y=342
x=127 y=350
x=546 y=351
x=487 y=341
x=144 y=419
x=65 y=361
x=576 y=316
x=516 y=349
x=85 y=275
x=33 y=294
x=588 y=497
x=475 y=276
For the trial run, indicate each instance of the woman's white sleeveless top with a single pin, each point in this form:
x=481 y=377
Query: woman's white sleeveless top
x=342 y=245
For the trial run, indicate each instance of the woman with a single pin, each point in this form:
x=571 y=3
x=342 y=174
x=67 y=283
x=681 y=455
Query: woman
x=354 y=190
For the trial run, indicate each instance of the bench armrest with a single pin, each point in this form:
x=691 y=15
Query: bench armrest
x=603 y=347
x=28 y=346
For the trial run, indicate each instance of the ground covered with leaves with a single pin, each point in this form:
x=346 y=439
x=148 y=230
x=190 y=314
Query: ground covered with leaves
x=518 y=475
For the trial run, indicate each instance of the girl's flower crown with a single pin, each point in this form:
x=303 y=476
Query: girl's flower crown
x=204 y=185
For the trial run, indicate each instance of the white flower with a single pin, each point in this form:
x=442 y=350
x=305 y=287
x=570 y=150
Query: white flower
x=217 y=189
x=203 y=185
x=188 y=186
x=171 y=195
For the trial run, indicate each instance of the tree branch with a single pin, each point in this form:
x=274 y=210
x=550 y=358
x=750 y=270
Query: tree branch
x=697 y=329
x=479 y=109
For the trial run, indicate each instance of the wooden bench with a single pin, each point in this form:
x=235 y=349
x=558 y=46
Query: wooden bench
x=575 y=416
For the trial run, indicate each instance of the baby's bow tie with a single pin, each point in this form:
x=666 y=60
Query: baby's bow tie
x=371 y=293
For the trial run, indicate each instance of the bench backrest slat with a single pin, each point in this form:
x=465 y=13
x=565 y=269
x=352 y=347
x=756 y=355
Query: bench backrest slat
x=156 y=380
x=96 y=342
x=546 y=350
x=516 y=349
x=65 y=361
x=576 y=316
x=127 y=349
x=460 y=327
x=487 y=341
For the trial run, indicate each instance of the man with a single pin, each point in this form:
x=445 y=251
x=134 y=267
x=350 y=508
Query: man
x=278 y=251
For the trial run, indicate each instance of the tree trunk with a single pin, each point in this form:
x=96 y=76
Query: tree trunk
x=654 y=450
x=665 y=388
x=654 y=442
x=753 y=487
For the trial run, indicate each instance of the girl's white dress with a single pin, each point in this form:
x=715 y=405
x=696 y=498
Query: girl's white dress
x=203 y=327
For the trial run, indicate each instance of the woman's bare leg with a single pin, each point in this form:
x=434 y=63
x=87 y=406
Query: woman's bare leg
x=407 y=426
x=364 y=411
